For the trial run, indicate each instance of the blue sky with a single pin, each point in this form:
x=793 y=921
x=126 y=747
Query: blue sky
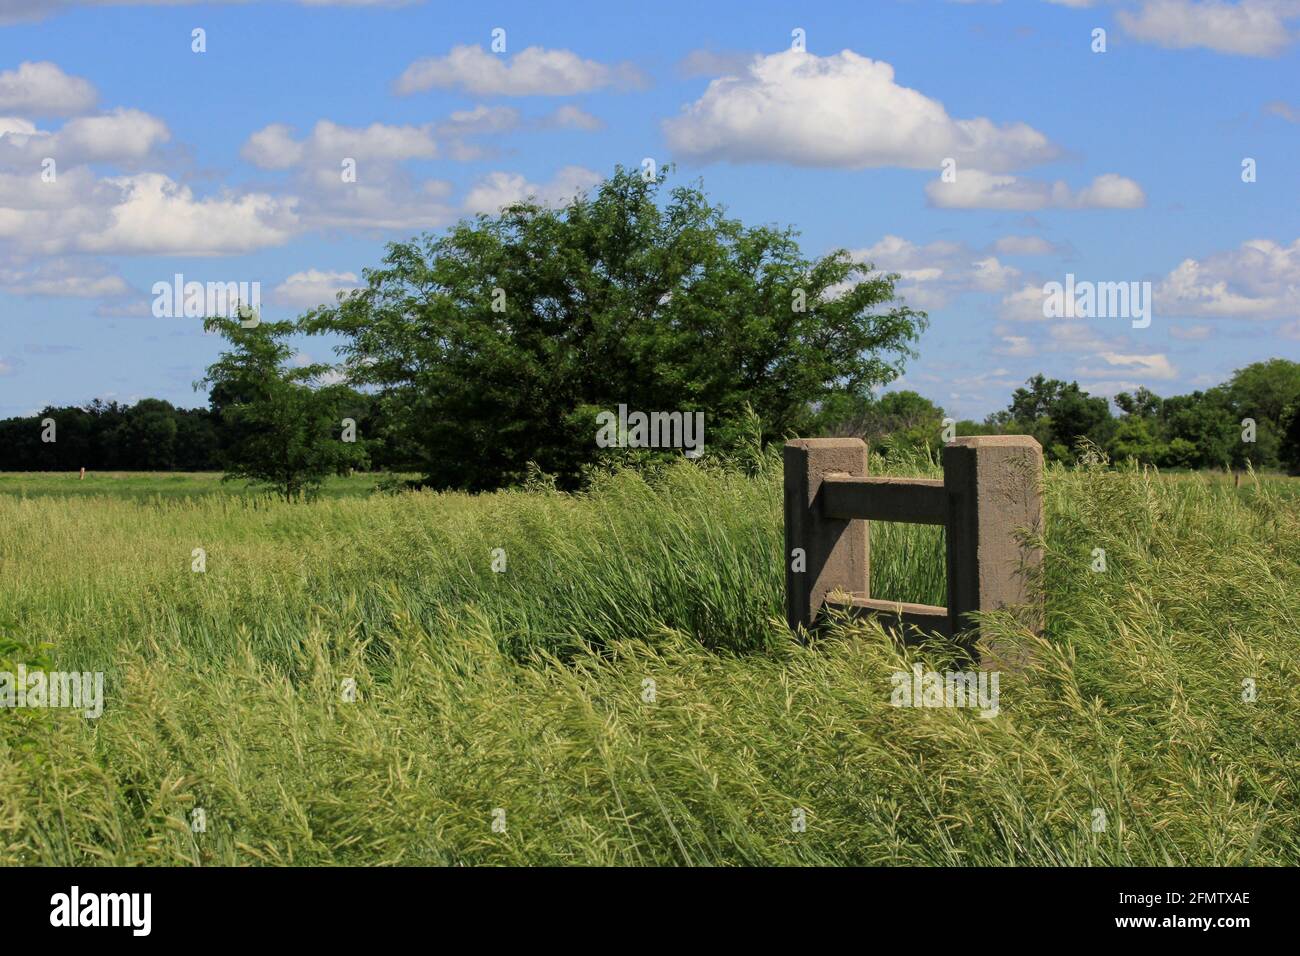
x=1115 y=166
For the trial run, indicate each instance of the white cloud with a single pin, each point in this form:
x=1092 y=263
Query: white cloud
x=385 y=196
x=844 y=111
x=42 y=89
x=309 y=289
x=977 y=189
x=931 y=275
x=480 y=119
x=1014 y=346
x=934 y=273
x=989 y=275
x=1258 y=280
x=1247 y=28
x=14 y=125
x=1155 y=366
x=1023 y=305
x=1079 y=337
x=500 y=189
x=64 y=278
x=123 y=135
x=535 y=71
x=572 y=117
x=154 y=214
x=274 y=147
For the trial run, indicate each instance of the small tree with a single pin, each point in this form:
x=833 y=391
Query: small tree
x=280 y=431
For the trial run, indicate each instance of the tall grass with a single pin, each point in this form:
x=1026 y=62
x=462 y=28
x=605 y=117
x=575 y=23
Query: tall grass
x=626 y=692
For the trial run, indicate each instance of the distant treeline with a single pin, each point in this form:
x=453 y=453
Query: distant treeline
x=1254 y=418
x=151 y=435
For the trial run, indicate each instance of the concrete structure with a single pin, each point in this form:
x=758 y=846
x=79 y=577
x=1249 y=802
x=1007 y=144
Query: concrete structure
x=989 y=495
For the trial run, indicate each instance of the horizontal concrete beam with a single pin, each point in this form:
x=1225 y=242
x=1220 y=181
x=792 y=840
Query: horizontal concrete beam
x=897 y=617
x=914 y=500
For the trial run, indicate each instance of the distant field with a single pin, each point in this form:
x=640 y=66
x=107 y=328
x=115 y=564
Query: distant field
x=191 y=484
x=625 y=690
x=145 y=485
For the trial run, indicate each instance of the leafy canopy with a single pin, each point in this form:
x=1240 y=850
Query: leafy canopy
x=278 y=429
x=494 y=345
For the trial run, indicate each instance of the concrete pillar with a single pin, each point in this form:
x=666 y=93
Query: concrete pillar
x=836 y=554
x=993 y=488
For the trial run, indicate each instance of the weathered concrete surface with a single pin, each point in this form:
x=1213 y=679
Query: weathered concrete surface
x=837 y=550
x=914 y=500
x=992 y=483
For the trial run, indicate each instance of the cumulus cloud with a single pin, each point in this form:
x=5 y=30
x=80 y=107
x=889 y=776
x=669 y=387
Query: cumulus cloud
x=480 y=119
x=385 y=197
x=500 y=189
x=1023 y=305
x=274 y=146
x=154 y=214
x=844 y=111
x=306 y=290
x=1155 y=366
x=383 y=194
x=571 y=117
x=1246 y=28
x=1258 y=280
x=119 y=136
x=42 y=89
x=977 y=189
x=535 y=71
x=932 y=274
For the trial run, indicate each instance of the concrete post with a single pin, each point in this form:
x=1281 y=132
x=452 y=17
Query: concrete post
x=992 y=484
x=835 y=550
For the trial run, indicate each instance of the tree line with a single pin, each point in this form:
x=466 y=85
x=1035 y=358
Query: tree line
x=1203 y=429
x=479 y=356
x=1251 y=419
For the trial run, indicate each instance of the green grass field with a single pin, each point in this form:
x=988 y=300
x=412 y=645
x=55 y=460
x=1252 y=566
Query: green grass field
x=625 y=692
x=151 y=487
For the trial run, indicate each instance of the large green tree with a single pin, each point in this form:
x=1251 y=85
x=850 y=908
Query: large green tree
x=1267 y=392
x=494 y=344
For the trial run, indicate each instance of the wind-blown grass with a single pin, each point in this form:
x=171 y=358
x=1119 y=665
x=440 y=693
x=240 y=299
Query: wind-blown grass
x=626 y=692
